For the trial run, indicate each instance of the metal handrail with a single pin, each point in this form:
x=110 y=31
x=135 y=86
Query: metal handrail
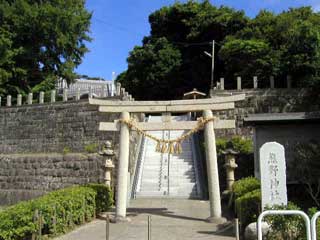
x=283 y=212
x=314 y=225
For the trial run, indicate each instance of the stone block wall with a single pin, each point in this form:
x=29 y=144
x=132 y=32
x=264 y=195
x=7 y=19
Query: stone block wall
x=266 y=101
x=52 y=128
x=26 y=176
x=34 y=140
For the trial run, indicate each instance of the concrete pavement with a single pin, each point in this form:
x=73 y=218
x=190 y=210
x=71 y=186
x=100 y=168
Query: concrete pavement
x=172 y=219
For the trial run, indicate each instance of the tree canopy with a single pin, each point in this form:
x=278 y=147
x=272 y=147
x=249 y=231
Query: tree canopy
x=171 y=59
x=40 y=41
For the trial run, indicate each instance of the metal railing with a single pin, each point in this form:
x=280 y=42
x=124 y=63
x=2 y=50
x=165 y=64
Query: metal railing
x=283 y=212
x=314 y=225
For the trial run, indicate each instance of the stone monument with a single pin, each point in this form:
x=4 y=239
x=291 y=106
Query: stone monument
x=273 y=174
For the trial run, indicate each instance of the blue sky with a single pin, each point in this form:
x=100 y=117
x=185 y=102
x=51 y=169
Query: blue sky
x=118 y=25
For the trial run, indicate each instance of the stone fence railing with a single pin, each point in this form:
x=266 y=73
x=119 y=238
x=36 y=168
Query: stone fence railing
x=255 y=83
x=99 y=88
x=76 y=94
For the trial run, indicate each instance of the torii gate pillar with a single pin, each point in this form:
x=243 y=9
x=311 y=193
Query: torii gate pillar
x=212 y=171
x=122 y=186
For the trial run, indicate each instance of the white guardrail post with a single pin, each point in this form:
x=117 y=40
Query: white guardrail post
x=283 y=212
x=314 y=225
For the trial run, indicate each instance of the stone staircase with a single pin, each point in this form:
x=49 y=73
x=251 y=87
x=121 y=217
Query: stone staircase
x=168 y=175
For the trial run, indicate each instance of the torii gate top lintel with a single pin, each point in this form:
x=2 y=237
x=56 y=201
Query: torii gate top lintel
x=193 y=105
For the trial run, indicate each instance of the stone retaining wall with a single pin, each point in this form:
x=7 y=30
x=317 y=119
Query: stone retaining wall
x=266 y=101
x=52 y=128
x=25 y=176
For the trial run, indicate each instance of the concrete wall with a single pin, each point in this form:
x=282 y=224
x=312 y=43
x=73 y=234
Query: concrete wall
x=288 y=135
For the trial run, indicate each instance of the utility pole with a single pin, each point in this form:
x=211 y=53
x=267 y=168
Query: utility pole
x=212 y=67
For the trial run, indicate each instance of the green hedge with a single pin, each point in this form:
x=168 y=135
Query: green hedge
x=245 y=185
x=60 y=210
x=247 y=195
x=248 y=207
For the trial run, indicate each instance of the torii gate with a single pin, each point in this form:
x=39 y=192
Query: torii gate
x=167 y=107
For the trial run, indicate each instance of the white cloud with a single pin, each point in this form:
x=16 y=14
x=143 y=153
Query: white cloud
x=316 y=8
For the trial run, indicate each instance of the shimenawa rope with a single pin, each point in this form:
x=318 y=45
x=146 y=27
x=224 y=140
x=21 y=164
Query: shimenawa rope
x=168 y=146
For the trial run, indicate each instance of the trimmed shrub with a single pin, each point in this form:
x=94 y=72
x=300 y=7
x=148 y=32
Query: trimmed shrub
x=248 y=207
x=104 y=199
x=245 y=185
x=59 y=210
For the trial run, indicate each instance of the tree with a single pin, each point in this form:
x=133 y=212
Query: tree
x=40 y=41
x=258 y=57
x=181 y=25
x=306 y=168
x=269 y=44
x=154 y=74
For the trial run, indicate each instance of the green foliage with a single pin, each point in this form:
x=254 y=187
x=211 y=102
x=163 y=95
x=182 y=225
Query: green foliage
x=286 y=227
x=104 y=198
x=60 y=210
x=311 y=212
x=66 y=150
x=152 y=70
x=306 y=168
x=40 y=41
x=91 y=148
x=237 y=143
x=248 y=207
x=244 y=186
x=169 y=69
x=279 y=44
x=247 y=195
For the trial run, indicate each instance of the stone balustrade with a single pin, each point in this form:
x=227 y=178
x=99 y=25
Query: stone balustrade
x=55 y=97
x=256 y=84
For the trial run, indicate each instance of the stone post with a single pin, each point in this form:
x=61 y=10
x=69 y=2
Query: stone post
x=255 y=82
x=238 y=83
x=9 y=101
x=122 y=92
x=230 y=165
x=65 y=95
x=53 y=96
x=221 y=83
x=122 y=187
x=289 y=81
x=212 y=170
x=30 y=98
x=90 y=92
x=19 y=100
x=78 y=94
x=0 y=101
x=41 y=98
x=103 y=89
x=118 y=89
x=272 y=82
